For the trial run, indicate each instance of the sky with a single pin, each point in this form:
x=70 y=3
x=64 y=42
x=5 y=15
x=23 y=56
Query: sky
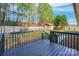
x=65 y=9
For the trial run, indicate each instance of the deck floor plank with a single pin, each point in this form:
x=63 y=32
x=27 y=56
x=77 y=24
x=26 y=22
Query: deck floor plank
x=42 y=48
x=58 y=50
x=62 y=51
x=49 y=50
x=54 y=50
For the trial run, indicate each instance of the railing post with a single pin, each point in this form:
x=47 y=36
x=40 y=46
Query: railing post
x=2 y=45
x=78 y=42
x=50 y=36
x=42 y=35
x=53 y=37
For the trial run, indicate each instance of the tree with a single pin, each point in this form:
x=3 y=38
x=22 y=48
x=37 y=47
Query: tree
x=60 y=22
x=28 y=10
x=45 y=13
x=64 y=21
x=57 y=21
x=3 y=7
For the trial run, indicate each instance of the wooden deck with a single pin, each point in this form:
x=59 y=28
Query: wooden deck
x=41 y=48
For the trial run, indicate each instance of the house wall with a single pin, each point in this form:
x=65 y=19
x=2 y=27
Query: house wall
x=71 y=28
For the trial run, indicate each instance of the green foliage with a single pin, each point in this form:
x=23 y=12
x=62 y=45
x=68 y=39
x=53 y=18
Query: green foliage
x=64 y=20
x=45 y=13
x=4 y=18
x=3 y=7
x=27 y=10
x=60 y=22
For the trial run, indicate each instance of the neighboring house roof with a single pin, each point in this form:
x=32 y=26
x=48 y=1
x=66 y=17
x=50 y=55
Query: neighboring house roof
x=22 y=24
x=25 y=24
x=32 y=24
x=47 y=24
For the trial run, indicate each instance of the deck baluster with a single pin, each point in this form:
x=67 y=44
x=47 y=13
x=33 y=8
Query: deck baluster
x=74 y=42
x=77 y=42
x=71 y=41
x=63 y=39
x=60 y=37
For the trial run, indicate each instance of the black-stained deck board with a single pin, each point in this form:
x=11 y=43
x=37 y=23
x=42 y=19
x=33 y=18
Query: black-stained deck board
x=41 y=48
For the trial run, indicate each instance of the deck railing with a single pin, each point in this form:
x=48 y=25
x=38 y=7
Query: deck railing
x=10 y=41
x=68 y=39
x=18 y=39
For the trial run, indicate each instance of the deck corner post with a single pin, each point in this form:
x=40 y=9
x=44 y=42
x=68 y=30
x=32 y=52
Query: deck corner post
x=2 y=45
x=53 y=37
